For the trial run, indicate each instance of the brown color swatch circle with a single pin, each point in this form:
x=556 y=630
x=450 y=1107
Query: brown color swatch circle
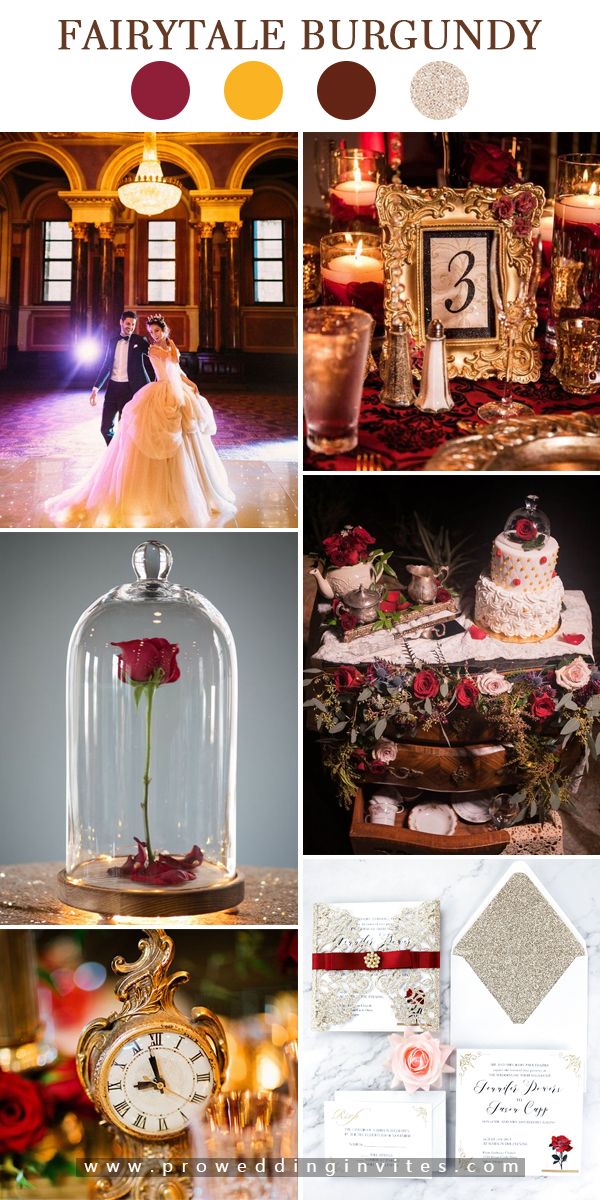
x=346 y=90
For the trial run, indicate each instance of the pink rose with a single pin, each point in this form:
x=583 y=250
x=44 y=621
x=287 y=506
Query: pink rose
x=384 y=751
x=574 y=675
x=494 y=684
x=417 y=1060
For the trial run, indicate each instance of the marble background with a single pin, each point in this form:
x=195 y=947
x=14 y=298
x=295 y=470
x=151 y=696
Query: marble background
x=331 y=1061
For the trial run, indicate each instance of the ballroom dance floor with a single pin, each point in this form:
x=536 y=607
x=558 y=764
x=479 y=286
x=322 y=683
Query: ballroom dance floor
x=49 y=439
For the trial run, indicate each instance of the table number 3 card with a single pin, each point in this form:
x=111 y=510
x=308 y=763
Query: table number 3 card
x=376 y=966
x=521 y=1104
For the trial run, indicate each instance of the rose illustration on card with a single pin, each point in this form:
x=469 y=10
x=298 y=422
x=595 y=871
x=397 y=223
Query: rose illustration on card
x=560 y=1145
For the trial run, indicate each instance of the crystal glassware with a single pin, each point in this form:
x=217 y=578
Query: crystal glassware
x=510 y=316
x=577 y=363
x=311 y=283
x=248 y=1126
x=504 y=810
x=336 y=347
x=151 y=750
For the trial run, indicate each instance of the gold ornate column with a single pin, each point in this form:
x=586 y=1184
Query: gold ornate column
x=231 y=340
x=205 y=231
x=79 y=290
x=105 y=303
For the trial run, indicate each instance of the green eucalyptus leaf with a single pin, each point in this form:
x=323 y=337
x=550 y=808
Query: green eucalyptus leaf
x=380 y=729
x=571 y=727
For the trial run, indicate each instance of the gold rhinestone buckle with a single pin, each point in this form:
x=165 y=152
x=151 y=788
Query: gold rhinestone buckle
x=372 y=960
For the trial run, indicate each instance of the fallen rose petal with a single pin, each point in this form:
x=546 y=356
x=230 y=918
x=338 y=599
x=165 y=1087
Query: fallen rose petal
x=477 y=633
x=574 y=639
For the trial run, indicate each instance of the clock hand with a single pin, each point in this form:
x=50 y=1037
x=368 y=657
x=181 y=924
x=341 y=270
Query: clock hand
x=155 y=1070
x=148 y=1083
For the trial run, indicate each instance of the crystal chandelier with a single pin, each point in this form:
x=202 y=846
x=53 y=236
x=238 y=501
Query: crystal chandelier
x=148 y=191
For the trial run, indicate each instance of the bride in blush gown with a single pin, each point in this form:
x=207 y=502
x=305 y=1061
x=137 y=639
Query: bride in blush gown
x=161 y=468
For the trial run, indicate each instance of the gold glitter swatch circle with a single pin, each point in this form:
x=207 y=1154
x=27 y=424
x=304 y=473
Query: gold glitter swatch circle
x=439 y=90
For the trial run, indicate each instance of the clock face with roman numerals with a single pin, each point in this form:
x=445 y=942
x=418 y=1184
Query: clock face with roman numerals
x=155 y=1081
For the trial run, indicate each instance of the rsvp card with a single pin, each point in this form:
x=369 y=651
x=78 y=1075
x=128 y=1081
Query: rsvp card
x=385 y=1125
x=521 y=1104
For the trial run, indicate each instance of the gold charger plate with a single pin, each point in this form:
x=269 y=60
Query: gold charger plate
x=568 y=453
x=486 y=450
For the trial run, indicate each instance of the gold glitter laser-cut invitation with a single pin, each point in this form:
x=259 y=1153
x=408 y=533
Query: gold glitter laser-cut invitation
x=376 y=966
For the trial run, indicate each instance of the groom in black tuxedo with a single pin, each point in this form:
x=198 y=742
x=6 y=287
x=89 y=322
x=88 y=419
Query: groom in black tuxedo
x=127 y=368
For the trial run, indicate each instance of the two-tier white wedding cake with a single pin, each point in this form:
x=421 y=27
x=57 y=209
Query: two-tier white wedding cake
x=520 y=599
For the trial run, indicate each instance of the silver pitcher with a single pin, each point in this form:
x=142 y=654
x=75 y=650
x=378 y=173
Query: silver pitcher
x=424 y=583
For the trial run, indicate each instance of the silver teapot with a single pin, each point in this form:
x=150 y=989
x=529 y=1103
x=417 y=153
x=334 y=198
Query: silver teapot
x=424 y=584
x=363 y=603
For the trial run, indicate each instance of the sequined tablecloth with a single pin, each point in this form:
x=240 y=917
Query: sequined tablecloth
x=406 y=437
x=28 y=896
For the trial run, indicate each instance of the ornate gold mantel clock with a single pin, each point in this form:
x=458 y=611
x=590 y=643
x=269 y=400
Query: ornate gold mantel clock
x=149 y=1070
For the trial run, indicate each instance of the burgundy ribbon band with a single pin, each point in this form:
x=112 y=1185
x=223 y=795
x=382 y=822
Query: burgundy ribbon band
x=389 y=960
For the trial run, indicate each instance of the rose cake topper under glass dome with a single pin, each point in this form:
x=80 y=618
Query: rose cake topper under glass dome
x=151 y=750
x=528 y=526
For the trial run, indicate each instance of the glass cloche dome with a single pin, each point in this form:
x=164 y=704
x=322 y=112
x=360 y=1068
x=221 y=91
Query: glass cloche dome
x=529 y=523
x=151 y=750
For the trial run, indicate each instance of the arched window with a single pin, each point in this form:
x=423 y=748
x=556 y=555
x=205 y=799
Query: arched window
x=57 y=261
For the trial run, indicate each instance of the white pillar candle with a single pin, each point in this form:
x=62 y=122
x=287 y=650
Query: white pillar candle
x=581 y=209
x=354 y=268
x=356 y=193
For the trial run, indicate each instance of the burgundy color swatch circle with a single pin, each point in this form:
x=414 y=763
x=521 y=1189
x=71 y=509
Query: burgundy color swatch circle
x=346 y=90
x=160 y=90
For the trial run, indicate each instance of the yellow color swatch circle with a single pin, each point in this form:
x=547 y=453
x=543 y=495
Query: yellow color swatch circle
x=253 y=90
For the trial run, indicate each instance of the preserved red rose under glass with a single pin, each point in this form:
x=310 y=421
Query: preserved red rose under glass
x=151 y=750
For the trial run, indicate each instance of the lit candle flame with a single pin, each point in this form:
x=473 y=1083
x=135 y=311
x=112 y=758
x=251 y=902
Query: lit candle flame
x=358 y=251
x=356 y=174
x=585 y=175
x=594 y=190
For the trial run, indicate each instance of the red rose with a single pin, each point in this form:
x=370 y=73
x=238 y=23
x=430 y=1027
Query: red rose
x=503 y=208
x=22 y=1116
x=443 y=595
x=525 y=202
x=347 y=620
x=466 y=693
x=141 y=659
x=361 y=535
x=525 y=529
x=541 y=706
x=522 y=226
x=61 y=1088
x=346 y=679
x=488 y=165
x=425 y=685
x=561 y=1143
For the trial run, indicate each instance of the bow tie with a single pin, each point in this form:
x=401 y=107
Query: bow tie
x=123 y=337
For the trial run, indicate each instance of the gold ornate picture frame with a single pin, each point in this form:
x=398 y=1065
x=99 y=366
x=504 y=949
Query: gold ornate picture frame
x=466 y=258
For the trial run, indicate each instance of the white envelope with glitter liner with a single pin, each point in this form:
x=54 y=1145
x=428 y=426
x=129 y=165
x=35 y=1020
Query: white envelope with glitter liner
x=519 y=972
